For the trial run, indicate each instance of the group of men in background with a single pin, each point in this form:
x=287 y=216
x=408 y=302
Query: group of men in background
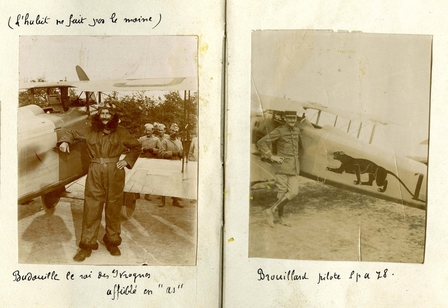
x=157 y=144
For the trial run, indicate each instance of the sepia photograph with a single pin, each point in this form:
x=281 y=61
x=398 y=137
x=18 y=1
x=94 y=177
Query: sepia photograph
x=339 y=145
x=107 y=147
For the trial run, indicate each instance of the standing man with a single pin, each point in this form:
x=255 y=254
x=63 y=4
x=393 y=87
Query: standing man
x=150 y=146
x=193 y=151
x=150 y=142
x=161 y=131
x=171 y=148
x=105 y=141
x=285 y=162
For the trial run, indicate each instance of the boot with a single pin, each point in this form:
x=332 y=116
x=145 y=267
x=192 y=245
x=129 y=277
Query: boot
x=82 y=255
x=269 y=213
x=269 y=217
x=114 y=250
x=112 y=247
x=281 y=220
x=85 y=252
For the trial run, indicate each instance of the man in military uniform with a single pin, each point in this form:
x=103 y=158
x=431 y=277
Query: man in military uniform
x=150 y=146
x=150 y=142
x=105 y=141
x=285 y=163
x=193 y=151
x=171 y=148
x=161 y=131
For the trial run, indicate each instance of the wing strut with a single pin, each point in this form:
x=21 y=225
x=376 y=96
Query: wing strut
x=373 y=133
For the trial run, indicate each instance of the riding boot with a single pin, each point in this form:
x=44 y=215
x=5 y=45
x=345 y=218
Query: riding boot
x=281 y=220
x=279 y=204
x=269 y=213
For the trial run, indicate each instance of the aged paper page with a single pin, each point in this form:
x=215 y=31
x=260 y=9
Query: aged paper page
x=152 y=62
x=364 y=87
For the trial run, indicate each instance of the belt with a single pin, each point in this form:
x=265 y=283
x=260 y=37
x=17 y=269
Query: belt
x=106 y=160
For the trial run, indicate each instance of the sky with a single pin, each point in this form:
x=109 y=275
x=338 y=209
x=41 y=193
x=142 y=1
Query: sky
x=107 y=57
x=386 y=77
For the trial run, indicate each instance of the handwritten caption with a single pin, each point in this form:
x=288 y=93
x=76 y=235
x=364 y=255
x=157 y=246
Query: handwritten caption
x=72 y=20
x=321 y=278
x=128 y=288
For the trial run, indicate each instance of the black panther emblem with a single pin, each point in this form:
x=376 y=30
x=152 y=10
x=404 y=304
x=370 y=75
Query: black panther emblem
x=360 y=166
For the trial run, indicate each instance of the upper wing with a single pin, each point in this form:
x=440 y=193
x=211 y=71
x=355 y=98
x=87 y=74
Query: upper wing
x=146 y=84
x=47 y=84
x=276 y=103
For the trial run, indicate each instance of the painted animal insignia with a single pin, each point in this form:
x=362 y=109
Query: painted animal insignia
x=360 y=166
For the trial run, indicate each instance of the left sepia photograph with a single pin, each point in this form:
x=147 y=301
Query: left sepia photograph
x=108 y=150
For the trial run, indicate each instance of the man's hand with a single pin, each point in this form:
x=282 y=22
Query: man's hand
x=64 y=147
x=121 y=164
x=277 y=159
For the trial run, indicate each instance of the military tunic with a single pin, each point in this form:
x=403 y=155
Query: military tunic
x=171 y=149
x=150 y=146
x=287 y=140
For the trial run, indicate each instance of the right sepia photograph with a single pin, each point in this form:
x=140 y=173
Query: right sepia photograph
x=339 y=145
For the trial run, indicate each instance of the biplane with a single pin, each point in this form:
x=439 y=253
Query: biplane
x=44 y=171
x=338 y=157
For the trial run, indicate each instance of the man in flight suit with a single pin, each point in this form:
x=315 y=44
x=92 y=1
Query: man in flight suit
x=285 y=163
x=105 y=142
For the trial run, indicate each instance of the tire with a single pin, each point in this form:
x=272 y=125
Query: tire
x=51 y=199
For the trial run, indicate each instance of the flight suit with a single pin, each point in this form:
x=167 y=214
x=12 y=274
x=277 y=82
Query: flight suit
x=105 y=182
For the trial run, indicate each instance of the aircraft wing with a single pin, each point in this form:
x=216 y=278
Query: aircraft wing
x=145 y=84
x=162 y=177
x=119 y=85
x=39 y=85
x=277 y=103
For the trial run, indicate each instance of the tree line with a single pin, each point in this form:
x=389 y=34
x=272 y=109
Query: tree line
x=135 y=109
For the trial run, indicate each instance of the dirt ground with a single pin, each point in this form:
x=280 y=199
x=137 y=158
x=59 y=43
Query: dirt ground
x=338 y=225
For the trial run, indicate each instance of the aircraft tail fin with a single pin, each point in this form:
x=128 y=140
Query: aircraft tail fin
x=90 y=96
x=81 y=74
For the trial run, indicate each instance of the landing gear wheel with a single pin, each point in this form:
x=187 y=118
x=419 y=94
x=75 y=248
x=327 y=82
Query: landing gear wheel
x=51 y=199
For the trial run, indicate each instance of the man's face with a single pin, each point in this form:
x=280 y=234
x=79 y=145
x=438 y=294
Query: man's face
x=174 y=132
x=149 y=132
x=291 y=120
x=105 y=116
